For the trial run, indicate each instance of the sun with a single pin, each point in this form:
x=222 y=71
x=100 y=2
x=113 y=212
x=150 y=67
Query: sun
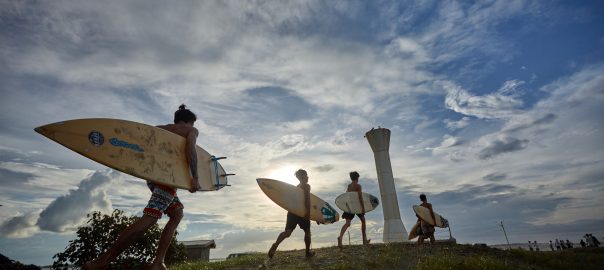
x=285 y=174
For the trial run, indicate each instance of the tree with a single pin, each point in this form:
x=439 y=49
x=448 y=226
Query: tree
x=102 y=230
x=8 y=264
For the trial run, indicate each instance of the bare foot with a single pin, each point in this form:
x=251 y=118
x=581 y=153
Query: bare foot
x=271 y=252
x=340 y=243
x=367 y=242
x=157 y=266
x=310 y=254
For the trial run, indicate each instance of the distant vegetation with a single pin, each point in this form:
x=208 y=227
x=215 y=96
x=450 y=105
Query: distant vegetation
x=6 y=263
x=410 y=256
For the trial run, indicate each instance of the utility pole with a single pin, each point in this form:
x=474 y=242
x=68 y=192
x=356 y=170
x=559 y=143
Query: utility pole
x=506 y=235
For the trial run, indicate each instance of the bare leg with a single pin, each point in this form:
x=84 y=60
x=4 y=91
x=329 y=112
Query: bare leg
x=432 y=238
x=342 y=231
x=307 y=241
x=126 y=237
x=166 y=238
x=280 y=238
x=364 y=231
x=420 y=240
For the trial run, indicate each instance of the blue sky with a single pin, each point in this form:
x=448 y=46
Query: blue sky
x=495 y=109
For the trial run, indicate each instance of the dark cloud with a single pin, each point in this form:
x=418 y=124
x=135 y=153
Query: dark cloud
x=475 y=210
x=20 y=226
x=323 y=168
x=13 y=178
x=500 y=146
x=67 y=211
x=7 y=155
x=276 y=104
x=494 y=177
x=547 y=119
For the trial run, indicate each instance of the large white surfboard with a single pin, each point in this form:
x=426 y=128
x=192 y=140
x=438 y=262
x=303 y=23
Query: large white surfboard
x=141 y=150
x=424 y=214
x=349 y=202
x=291 y=198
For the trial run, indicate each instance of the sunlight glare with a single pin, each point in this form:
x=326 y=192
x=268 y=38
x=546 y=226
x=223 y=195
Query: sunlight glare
x=285 y=174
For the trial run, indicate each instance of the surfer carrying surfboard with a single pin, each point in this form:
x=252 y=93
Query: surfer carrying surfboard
x=427 y=228
x=163 y=200
x=354 y=187
x=294 y=220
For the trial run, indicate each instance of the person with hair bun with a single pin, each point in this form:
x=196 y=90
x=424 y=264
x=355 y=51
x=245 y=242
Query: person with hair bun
x=163 y=201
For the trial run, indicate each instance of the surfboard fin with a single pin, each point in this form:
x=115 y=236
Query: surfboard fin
x=217 y=158
x=227 y=174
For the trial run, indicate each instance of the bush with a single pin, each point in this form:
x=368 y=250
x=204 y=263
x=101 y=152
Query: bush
x=102 y=230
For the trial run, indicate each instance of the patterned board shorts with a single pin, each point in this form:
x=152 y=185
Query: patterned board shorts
x=163 y=199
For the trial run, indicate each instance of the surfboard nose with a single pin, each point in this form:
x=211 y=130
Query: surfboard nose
x=40 y=130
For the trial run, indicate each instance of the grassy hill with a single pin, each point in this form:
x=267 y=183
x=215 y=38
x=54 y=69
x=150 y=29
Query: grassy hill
x=410 y=256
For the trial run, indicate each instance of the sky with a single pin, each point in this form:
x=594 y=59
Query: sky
x=495 y=109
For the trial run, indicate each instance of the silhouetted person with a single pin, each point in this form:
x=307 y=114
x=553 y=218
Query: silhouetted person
x=551 y=245
x=293 y=220
x=558 y=245
x=589 y=240
x=582 y=243
x=427 y=228
x=595 y=241
x=530 y=246
x=569 y=244
x=163 y=201
x=354 y=187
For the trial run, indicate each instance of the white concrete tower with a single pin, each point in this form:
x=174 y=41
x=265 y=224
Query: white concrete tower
x=394 y=230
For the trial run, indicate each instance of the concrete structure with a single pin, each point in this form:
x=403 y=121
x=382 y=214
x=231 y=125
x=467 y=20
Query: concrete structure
x=394 y=230
x=198 y=250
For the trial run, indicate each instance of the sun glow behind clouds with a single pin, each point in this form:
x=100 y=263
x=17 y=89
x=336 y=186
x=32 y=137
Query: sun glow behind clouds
x=286 y=174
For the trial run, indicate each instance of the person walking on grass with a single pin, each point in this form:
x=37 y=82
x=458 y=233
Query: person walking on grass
x=551 y=245
x=594 y=240
x=354 y=187
x=427 y=228
x=163 y=201
x=293 y=220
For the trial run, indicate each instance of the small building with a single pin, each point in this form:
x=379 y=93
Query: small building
x=198 y=249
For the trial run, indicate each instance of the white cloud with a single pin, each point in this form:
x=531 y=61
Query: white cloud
x=501 y=104
x=455 y=125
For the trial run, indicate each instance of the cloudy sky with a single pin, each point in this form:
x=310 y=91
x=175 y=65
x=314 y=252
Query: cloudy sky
x=495 y=109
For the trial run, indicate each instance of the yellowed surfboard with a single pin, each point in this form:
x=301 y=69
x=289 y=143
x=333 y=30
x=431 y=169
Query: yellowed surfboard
x=413 y=231
x=424 y=214
x=141 y=150
x=291 y=198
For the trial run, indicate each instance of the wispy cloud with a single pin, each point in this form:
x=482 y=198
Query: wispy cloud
x=500 y=104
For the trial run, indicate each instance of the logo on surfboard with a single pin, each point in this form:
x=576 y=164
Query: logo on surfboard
x=117 y=143
x=329 y=214
x=96 y=138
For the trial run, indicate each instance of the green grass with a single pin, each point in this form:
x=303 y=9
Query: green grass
x=410 y=256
